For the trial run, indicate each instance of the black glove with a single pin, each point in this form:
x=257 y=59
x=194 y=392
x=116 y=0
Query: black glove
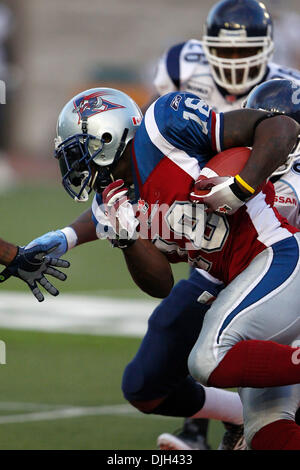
x=31 y=264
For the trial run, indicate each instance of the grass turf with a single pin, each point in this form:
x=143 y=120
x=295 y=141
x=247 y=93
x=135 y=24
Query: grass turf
x=78 y=370
x=60 y=369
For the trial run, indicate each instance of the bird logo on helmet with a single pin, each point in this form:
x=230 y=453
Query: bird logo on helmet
x=89 y=105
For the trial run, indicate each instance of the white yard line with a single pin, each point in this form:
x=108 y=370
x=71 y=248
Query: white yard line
x=24 y=406
x=69 y=412
x=48 y=412
x=68 y=313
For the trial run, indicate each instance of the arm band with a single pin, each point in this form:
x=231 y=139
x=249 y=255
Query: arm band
x=238 y=192
x=71 y=236
x=244 y=184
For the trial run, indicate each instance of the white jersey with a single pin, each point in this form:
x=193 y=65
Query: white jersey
x=185 y=67
x=287 y=198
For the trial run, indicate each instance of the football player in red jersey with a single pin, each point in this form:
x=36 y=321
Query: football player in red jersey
x=179 y=134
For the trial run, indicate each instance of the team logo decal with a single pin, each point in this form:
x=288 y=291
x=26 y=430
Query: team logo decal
x=175 y=102
x=136 y=120
x=89 y=105
x=143 y=206
x=224 y=209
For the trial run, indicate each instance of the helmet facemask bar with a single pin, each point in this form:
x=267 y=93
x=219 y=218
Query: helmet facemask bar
x=75 y=161
x=235 y=75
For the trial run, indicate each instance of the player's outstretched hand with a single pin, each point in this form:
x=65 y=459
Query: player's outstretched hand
x=31 y=265
x=55 y=238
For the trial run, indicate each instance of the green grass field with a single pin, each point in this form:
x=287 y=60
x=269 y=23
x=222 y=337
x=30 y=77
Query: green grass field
x=63 y=391
x=57 y=371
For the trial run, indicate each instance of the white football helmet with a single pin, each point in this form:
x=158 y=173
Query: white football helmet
x=238 y=44
x=93 y=130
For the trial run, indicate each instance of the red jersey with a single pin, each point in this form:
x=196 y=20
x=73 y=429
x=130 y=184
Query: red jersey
x=228 y=244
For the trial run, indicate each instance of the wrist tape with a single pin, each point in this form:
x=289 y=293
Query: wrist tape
x=71 y=237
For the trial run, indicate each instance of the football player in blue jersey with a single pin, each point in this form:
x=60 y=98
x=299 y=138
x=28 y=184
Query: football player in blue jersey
x=30 y=265
x=234 y=55
x=180 y=133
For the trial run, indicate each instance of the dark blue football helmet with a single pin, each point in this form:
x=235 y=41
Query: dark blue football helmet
x=238 y=43
x=280 y=96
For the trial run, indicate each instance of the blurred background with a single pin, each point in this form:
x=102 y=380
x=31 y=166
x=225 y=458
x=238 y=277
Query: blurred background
x=60 y=388
x=56 y=48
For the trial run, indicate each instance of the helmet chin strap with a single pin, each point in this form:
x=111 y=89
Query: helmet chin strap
x=102 y=179
x=93 y=179
x=96 y=182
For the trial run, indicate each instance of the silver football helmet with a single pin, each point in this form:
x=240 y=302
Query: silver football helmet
x=92 y=132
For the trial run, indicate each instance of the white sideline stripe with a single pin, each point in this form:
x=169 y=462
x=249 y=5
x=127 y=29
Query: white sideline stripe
x=69 y=313
x=54 y=412
x=14 y=406
x=71 y=412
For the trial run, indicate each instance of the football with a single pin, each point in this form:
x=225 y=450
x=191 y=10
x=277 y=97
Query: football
x=230 y=162
x=227 y=163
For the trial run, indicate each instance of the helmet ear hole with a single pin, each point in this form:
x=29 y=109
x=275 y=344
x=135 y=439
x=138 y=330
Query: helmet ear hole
x=106 y=137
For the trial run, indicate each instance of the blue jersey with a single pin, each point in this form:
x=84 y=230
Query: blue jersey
x=180 y=132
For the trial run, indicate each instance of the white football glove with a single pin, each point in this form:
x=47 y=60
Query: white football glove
x=120 y=213
x=220 y=194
